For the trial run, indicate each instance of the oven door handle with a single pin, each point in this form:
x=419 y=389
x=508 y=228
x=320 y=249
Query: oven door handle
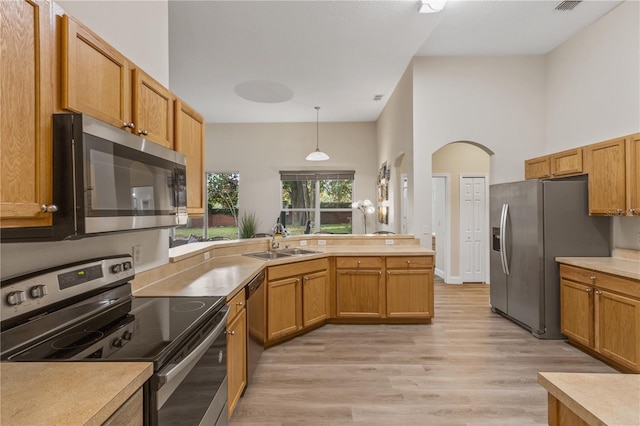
x=195 y=355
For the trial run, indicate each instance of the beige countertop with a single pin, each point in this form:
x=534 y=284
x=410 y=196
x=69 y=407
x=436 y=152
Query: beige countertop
x=598 y=399
x=624 y=267
x=226 y=275
x=67 y=393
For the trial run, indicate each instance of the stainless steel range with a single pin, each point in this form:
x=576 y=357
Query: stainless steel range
x=85 y=312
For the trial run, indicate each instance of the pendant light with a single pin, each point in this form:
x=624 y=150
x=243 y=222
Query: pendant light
x=317 y=155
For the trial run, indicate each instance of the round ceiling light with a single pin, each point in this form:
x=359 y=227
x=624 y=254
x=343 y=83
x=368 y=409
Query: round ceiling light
x=267 y=92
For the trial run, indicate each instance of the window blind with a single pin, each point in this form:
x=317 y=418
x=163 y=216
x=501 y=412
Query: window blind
x=316 y=175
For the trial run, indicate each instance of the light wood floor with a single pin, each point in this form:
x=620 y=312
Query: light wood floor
x=470 y=367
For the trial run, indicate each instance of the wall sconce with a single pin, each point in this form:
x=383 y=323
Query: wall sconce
x=366 y=207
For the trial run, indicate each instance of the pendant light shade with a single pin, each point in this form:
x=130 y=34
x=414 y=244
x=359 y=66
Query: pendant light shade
x=317 y=155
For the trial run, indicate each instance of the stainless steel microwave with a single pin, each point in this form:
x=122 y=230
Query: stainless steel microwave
x=108 y=180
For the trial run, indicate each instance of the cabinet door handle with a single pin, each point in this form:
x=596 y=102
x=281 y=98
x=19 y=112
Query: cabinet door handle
x=128 y=125
x=592 y=277
x=143 y=132
x=232 y=332
x=588 y=290
x=598 y=292
x=408 y=262
x=48 y=208
x=239 y=303
x=358 y=263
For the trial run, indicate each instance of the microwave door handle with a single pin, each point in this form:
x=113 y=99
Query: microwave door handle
x=195 y=355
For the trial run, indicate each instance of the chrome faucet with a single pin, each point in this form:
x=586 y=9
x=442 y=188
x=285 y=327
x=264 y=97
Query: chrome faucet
x=274 y=244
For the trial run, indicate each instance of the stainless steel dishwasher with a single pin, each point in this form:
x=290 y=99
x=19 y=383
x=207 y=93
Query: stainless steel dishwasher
x=256 y=322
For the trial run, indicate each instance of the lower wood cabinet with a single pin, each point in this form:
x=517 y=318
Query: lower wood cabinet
x=359 y=287
x=297 y=297
x=130 y=413
x=601 y=313
x=236 y=350
x=408 y=290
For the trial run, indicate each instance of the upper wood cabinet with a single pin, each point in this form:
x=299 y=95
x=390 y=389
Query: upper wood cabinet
x=95 y=77
x=99 y=81
x=26 y=108
x=152 y=109
x=607 y=177
x=633 y=175
x=566 y=163
x=190 y=141
x=537 y=168
x=559 y=164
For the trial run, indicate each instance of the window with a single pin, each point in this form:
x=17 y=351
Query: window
x=221 y=218
x=317 y=202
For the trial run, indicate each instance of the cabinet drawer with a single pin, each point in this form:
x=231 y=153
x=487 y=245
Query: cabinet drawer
x=576 y=274
x=411 y=262
x=358 y=262
x=236 y=304
x=297 y=268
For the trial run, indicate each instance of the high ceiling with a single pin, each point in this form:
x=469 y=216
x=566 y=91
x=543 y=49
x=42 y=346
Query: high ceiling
x=289 y=56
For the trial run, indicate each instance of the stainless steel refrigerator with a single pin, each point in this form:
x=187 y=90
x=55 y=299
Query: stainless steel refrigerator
x=532 y=222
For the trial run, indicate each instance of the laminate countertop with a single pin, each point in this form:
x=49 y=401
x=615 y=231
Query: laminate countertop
x=624 y=267
x=67 y=393
x=227 y=275
x=598 y=399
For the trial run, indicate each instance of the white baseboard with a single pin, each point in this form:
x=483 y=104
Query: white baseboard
x=439 y=272
x=454 y=280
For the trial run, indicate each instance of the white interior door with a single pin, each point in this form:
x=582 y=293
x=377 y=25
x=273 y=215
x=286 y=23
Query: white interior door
x=473 y=245
x=440 y=222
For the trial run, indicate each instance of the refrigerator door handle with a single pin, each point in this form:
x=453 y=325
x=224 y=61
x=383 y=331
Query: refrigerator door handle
x=503 y=243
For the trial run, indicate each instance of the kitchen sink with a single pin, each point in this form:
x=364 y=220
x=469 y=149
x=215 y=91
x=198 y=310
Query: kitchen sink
x=268 y=255
x=297 y=251
x=278 y=254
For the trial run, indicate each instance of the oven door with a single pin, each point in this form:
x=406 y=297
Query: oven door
x=192 y=388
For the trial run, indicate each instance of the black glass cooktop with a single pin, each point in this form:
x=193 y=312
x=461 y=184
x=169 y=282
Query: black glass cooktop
x=145 y=328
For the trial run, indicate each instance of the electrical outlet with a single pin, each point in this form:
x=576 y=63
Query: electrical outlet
x=136 y=253
x=322 y=242
x=638 y=237
x=389 y=242
x=303 y=242
x=206 y=255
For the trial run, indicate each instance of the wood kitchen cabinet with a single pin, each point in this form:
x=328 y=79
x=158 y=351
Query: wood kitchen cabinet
x=190 y=141
x=99 y=81
x=315 y=298
x=359 y=287
x=409 y=293
x=95 y=77
x=130 y=413
x=601 y=313
x=559 y=164
x=607 y=177
x=297 y=297
x=26 y=109
x=152 y=109
x=633 y=175
x=537 y=168
x=236 y=350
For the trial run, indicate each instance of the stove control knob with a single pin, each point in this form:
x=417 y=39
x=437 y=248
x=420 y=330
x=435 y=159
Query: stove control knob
x=127 y=335
x=115 y=269
x=16 y=297
x=117 y=342
x=38 y=291
x=126 y=266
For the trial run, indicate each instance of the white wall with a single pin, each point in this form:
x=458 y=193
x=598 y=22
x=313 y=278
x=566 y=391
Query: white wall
x=137 y=29
x=497 y=102
x=593 y=92
x=593 y=82
x=395 y=145
x=260 y=151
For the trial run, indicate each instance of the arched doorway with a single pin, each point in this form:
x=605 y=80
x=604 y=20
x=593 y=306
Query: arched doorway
x=460 y=216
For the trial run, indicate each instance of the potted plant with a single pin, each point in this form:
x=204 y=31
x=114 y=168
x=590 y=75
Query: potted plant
x=248 y=225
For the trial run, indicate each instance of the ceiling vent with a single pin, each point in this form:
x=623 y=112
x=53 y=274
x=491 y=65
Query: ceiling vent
x=378 y=97
x=568 y=5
